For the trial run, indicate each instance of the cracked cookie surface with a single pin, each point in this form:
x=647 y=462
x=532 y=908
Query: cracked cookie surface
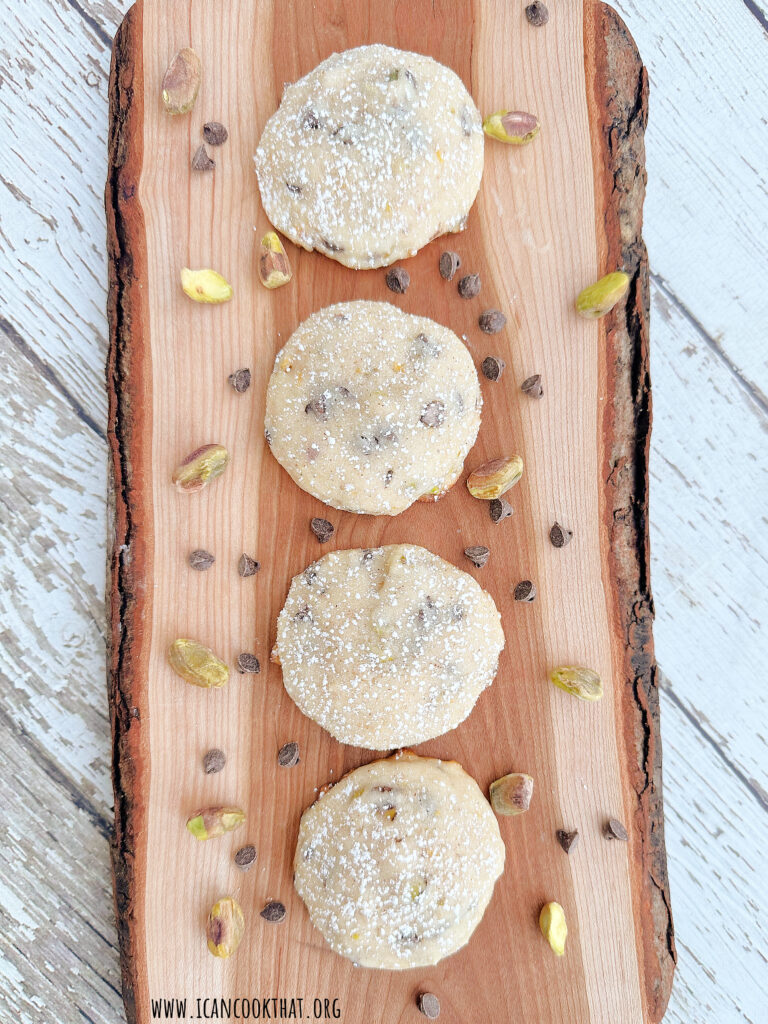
x=370 y=408
x=387 y=647
x=397 y=862
x=371 y=155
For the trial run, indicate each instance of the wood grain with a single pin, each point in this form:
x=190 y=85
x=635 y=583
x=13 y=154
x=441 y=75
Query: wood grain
x=550 y=233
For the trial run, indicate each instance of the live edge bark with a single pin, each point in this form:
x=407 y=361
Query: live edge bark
x=620 y=94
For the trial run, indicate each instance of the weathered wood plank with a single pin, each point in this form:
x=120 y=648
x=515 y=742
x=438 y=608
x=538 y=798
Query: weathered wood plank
x=708 y=168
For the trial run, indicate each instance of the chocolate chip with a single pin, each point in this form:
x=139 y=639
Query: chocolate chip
x=493 y=367
x=525 y=591
x=318 y=406
x=273 y=912
x=537 y=14
x=245 y=857
x=469 y=286
x=423 y=346
x=491 y=321
x=293 y=189
x=433 y=415
x=567 y=839
x=532 y=386
x=560 y=536
x=478 y=555
x=248 y=664
x=449 y=264
x=322 y=529
x=247 y=566
x=288 y=755
x=429 y=1005
x=398 y=280
x=213 y=761
x=201 y=560
x=215 y=133
x=310 y=120
x=240 y=380
x=498 y=509
x=615 y=830
x=201 y=161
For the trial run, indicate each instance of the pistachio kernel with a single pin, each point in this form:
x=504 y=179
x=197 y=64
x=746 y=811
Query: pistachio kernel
x=274 y=268
x=225 y=927
x=600 y=298
x=495 y=478
x=580 y=682
x=205 y=285
x=197 y=664
x=512 y=793
x=181 y=82
x=200 y=467
x=212 y=822
x=515 y=127
x=553 y=926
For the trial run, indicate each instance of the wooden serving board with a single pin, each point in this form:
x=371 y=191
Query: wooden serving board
x=549 y=219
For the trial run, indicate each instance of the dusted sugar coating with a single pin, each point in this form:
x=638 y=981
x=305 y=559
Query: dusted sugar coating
x=387 y=647
x=371 y=155
x=397 y=862
x=370 y=408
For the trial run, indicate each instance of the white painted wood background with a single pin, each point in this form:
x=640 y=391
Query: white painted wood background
x=707 y=232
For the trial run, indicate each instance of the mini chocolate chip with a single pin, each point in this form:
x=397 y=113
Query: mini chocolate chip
x=478 y=555
x=288 y=755
x=213 y=761
x=429 y=1005
x=245 y=857
x=248 y=664
x=469 y=286
x=499 y=508
x=615 y=830
x=201 y=560
x=449 y=264
x=367 y=555
x=532 y=386
x=331 y=246
x=398 y=280
x=215 y=133
x=240 y=380
x=491 y=321
x=322 y=529
x=567 y=839
x=433 y=415
x=310 y=575
x=303 y=614
x=388 y=477
x=525 y=591
x=310 y=120
x=268 y=435
x=247 y=566
x=293 y=189
x=537 y=14
x=493 y=367
x=560 y=536
x=273 y=912
x=201 y=161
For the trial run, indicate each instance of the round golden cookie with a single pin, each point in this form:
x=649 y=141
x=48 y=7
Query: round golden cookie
x=397 y=862
x=371 y=155
x=387 y=647
x=370 y=408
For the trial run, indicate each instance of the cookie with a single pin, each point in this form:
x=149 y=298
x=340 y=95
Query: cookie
x=387 y=647
x=370 y=408
x=397 y=862
x=371 y=155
